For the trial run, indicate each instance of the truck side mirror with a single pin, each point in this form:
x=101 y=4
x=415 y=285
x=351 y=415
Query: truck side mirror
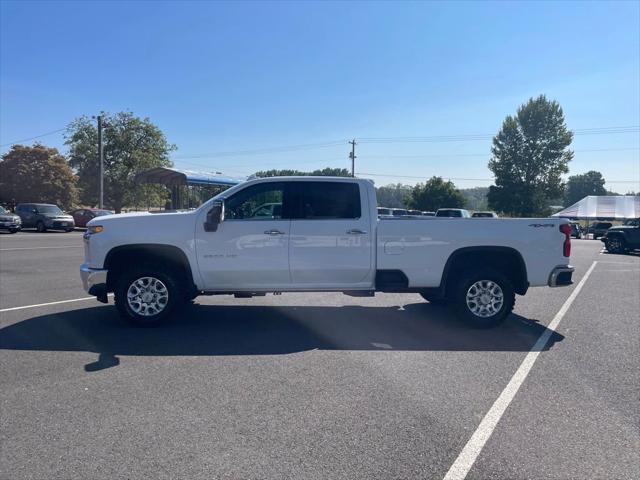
x=215 y=216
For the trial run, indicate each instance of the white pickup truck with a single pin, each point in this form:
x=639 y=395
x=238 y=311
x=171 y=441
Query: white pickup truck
x=312 y=234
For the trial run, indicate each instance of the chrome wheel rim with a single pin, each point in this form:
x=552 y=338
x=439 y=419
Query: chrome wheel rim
x=485 y=298
x=615 y=244
x=147 y=296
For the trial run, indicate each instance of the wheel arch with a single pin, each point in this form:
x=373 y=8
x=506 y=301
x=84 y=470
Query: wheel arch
x=505 y=259
x=168 y=256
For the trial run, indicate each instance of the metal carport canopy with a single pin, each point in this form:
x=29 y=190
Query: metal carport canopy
x=603 y=207
x=174 y=177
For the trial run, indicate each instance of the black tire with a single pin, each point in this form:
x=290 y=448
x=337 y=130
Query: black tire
x=40 y=226
x=69 y=230
x=485 y=278
x=175 y=296
x=433 y=299
x=14 y=231
x=615 y=244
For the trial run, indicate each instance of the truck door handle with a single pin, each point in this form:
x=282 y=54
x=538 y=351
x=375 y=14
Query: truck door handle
x=356 y=231
x=273 y=232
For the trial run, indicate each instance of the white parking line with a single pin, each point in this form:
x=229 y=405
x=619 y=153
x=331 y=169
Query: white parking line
x=50 y=303
x=472 y=449
x=39 y=248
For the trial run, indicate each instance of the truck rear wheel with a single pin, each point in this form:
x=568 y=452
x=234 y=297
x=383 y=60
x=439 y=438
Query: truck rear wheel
x=146 y=296
x=483 y=298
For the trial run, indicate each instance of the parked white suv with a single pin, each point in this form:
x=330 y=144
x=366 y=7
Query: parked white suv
x=326 y=237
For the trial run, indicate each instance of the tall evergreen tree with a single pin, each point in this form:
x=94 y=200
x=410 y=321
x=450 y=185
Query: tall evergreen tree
x=529 y=155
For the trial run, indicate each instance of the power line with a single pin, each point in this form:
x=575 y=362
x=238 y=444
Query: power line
x=440 y=138
x=260 y=151
x=33 y=138
x=422 y=177
x=487 y=136
x=252 y=165
x=487 y=154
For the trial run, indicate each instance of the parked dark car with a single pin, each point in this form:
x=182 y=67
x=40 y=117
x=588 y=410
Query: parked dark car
x=9 y=221
x=44 y=216
x=415 y=212
x=384 y=212
x=428 y=214
x=598 y=229
x=83 y=215
x=484 y=215
x=453 y=213
x=399 y=212
x=623 y=238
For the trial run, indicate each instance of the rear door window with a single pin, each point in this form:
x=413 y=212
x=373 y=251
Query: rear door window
x=327 y=200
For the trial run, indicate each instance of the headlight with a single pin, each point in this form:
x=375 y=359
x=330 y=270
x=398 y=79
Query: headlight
x=94 y=229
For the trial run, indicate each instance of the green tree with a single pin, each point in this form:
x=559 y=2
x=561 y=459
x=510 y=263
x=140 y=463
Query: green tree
x=579 y=186
x=529 y=155
x=475 y=197
x=393 y=196
x=325 y=172
x=37 y=174
x=131 y=144
x=435 y=194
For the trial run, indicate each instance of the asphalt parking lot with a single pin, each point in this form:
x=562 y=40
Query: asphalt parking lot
x=315 y=385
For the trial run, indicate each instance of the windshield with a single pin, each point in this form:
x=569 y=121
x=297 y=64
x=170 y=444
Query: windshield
x=2 y=210
x=48 y=209
x=100 y=213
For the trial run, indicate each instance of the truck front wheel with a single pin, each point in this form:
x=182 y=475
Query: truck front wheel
x=146 y=297
x=483 y=298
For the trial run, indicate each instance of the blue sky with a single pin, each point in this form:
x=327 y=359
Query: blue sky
x=227 y=77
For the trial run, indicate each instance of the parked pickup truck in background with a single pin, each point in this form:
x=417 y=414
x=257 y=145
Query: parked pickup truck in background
x=325 y=237
x=623 y=238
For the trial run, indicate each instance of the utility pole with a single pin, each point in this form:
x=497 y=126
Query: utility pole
x=352 y=156
x=100 y=156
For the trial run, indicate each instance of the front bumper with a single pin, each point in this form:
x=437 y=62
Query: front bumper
x=94 y=281
x=60 y=224
x=10 y=226
x=561 y=276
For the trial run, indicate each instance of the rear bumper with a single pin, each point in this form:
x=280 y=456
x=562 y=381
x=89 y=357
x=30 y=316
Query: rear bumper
x=561 y=275
x=94 y=281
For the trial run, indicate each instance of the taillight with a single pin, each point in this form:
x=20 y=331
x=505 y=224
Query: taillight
x=566 y=229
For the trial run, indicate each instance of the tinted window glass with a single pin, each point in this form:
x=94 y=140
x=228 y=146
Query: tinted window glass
x=52 y=209
x=258 y=202
x=327 y=200
x=99 y=213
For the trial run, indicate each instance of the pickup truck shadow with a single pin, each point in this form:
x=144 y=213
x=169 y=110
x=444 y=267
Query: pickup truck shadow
x=266 y=330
